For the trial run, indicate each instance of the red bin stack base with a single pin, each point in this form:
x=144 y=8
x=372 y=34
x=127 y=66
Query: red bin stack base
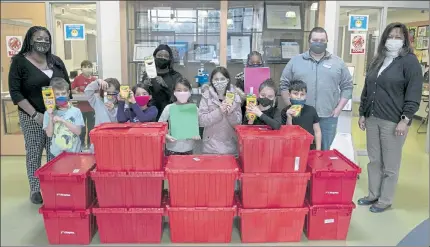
x=69 y=226
x=129 y=146
x=272 y=225
x=133 y=225
x=328 y=222
x=201 y=225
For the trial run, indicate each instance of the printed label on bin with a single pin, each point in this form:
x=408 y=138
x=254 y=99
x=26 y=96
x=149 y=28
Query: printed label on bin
x=328 y=221
x=67 y=233
x=334 y=158
x=76 y=170
x=297 y=164
x=332 y=192
x=196 y=159
x=65 y=195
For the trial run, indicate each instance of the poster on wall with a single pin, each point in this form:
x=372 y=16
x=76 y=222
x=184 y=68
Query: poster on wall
x=179 y=50
x=358 y=23
x=13 y=45
x=358 y=44
x=74 y=31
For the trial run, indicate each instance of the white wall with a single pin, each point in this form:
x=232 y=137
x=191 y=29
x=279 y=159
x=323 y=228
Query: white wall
x=109 y=55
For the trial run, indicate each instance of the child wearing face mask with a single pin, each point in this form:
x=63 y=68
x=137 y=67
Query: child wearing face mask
x=104 y=102
x=138 y=109
x=218 y=116
x=308 y=118
x=181 y=95
x=64 y=123
x=265 y=110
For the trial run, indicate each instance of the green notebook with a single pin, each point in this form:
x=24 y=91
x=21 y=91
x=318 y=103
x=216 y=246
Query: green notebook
x=183 y=121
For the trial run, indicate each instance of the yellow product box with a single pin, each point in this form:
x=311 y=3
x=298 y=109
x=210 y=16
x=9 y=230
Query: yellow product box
x=48 y=97
x=124 y=92
x=297 y=109
x=251 y=99
x=229 y=98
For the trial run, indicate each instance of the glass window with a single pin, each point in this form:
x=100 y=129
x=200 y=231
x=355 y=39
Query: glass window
x=268 y=27
x=191 y=29
x=75 y=50
x=358 y=61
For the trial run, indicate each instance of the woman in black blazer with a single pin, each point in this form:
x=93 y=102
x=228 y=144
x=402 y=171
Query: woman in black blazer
x=31 y=69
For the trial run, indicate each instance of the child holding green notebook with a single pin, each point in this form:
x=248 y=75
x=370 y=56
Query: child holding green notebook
x=183 y=120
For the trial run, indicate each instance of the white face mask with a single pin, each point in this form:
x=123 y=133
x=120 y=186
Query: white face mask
x=393 y=45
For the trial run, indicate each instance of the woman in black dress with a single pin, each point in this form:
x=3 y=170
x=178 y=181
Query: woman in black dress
x=31 y=69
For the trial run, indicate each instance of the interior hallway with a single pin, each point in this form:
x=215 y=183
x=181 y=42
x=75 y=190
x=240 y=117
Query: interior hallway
x=21 y=223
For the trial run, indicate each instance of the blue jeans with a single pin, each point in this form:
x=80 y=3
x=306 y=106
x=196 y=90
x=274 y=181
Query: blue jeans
x=328 y=131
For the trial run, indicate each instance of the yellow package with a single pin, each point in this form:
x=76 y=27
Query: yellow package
x=48 y=97
x=297 y=109
x=251 y=99
x=124 y=92
x=229 y=98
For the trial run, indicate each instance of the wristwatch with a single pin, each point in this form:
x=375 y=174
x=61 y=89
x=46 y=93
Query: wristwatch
x=404 y=118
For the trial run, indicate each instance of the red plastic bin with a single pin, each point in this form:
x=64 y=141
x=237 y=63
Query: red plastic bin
x=201 y=225
x=65 y=181
x=128 y=189
x=129 y=147
x=262 y=149
x=132 y=225
x=328 y=222
x=272 y=225
x=202 y=180
x=63 y=227
x=274 y=190
x=333 y=177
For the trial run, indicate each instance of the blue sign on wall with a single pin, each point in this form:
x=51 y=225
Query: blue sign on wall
x=74 y=31
x=358 y=23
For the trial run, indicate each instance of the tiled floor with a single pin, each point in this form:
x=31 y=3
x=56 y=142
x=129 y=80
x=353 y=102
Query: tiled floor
x=22 y=225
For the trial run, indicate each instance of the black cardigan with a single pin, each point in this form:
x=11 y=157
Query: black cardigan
x=395 y=92
x=26 y=81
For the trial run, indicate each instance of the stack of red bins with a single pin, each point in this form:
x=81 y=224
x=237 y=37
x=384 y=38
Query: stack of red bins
x=129 y=178
x=273 y=183
x=330 y=194
x=68 y=195
x=202 y=204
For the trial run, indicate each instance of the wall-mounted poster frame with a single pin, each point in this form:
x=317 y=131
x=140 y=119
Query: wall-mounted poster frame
x=207 y=56
x=276 y=16
x=287 y=54
x=180 y=51
x=143 y=49
x=239 y=53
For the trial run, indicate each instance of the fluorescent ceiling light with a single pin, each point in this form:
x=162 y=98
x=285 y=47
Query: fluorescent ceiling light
x=290 y=14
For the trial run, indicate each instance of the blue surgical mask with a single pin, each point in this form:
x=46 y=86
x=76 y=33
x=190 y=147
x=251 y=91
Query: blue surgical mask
x=298 y=101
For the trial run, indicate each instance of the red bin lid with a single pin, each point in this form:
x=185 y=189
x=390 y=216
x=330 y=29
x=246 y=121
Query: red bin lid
x=150 y=128
x=68 y=164
x=330 y=160
x=202 y=163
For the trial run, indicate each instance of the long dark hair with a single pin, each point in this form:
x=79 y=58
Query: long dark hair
x=225 y=73
x=27 y=46
x=380 y=55
x=111 y=82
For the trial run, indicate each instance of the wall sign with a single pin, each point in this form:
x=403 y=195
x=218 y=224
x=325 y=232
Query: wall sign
x=13 y=45
x=74 y=31
x=358 y=44
x=358 y=23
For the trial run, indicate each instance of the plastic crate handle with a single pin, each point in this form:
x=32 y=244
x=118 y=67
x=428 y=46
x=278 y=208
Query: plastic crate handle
x=128 y=126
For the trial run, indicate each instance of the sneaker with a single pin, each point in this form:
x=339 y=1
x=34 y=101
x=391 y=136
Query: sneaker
x=36 y=198
x=379 y=207
x=366 y=201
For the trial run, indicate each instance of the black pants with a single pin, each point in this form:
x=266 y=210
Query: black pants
x=35 y=141
x=89 y=120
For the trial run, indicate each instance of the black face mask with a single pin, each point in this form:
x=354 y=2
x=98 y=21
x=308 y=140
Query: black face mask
x=41 y=47
x=162 y=63
x=264 y=102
